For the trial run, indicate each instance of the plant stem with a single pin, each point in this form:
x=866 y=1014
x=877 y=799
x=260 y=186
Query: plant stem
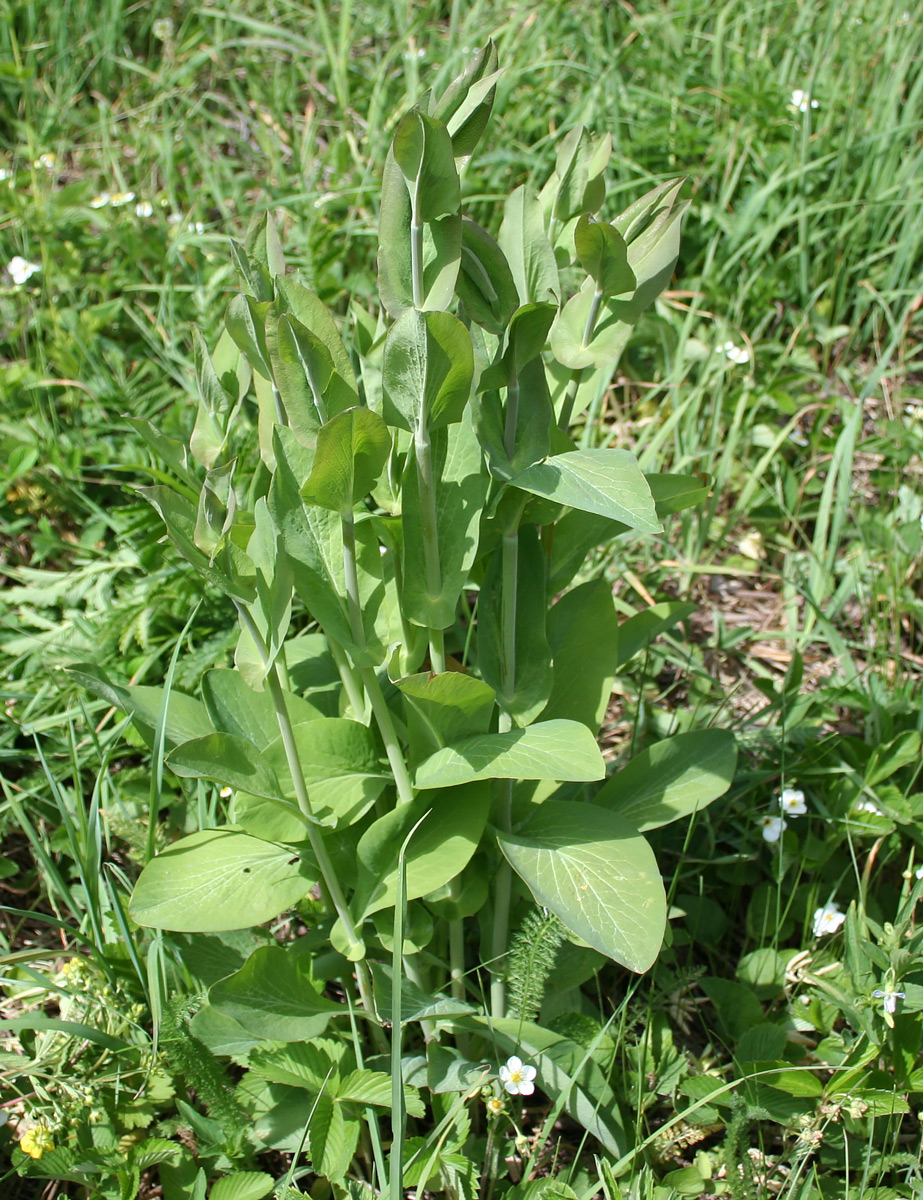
x=416 y=254
x=328 y=875
x=570 y=396
x=351 y=685
x=369 y=679
x=427 y=489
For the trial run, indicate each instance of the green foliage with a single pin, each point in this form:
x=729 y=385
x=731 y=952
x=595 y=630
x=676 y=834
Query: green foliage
x=532 y=955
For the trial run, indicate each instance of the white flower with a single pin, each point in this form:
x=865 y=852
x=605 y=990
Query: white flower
x=117 y=199
x=45 y=160
x=198 y=227
x=5 y=174
x=751 y=545
x=801 y=101
x=21 y=269
x=144 y=209
x=868 y=806
x=772 y=828
x=792 y=802
x=101 y=200
x=888 y=999
x=737 y=354
x=517 y=1077
x=162 y=29
x=919 y=872
x=226 y=793
x=828 y=919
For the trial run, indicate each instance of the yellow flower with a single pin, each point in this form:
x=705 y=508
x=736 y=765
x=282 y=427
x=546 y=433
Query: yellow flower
x=36 y=1141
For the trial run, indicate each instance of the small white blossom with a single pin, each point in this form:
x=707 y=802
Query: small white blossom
x=516 y=1076
x=162 y=29
x=828 y=919
x=117 y=199
x=21 y=269
x=45 y=160
x=792 y=802
x=801 y=101
x=101 y=200
x=772 y=828
x=198 y=227
x=751 y=545
x=868 y=806
x=5 y=174
x=144 y=208
x=737 y=354
x=226 y=793
x=888 y=999
x=919 y=872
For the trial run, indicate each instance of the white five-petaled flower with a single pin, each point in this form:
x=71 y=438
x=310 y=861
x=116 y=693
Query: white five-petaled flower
x=117 y=199
x=828 y=919
x=773 y=828
x=792 y=802
x=737 y=354
x=888 y=999
x=21 y=269
x=101 y=200
x=801 y=101
x=144 y=208
x=869 y=806
x=517 y=1076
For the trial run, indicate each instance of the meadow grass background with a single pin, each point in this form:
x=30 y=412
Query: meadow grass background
x=803 y=248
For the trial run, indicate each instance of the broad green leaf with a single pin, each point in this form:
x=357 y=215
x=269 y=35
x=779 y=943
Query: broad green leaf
x=415 y=1004
x=597 y=874
x=218 y=879
x=235 y=708
x=246 y=323
x=423 y=186
x=603 y=254
x=423 y=152
x=460 y=485
x=220 y=1034
x=533 y=417
x=254 y=274
x=272 y=996
x=226 y=759
x=464 y=107
x=632 y=222
x=242 y=1185
x=311 y=387
x=231 y=571
x=313 y=542
x=531 y=673
x=572 y=168
x=672 y=493
x=583 y=630
x=272 y=611
x=575 y=535
x=186 y=718
x=606 y=482
x=562 y=750
x=525 y=244
x=352 y=449
x=640 y=630
x=207 y=438
x=341 y=765
x=444 y=708
x=428 y=370
x=485 y=282
x=671 y=779
x=438 y=851
x=313 y=315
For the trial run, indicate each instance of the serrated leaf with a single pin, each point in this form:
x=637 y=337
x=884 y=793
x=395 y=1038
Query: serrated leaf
x=242 y=1185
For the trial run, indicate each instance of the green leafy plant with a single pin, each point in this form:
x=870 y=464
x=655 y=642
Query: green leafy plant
x=420 y=660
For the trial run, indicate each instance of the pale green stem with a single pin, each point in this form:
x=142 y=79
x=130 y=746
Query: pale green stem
x=416 y=255
x=281 y=418
x=427 y=490
x=351 y=684
x=328 y=875
x=457 y=957
x=567 y=408
x=369 y=679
